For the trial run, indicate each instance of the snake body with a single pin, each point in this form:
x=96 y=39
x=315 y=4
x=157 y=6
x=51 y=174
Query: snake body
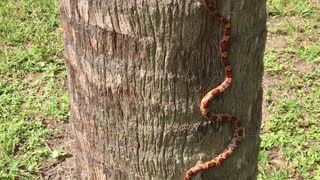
x=207 y=99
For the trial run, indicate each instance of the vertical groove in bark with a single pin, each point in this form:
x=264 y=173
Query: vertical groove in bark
x=137 y=71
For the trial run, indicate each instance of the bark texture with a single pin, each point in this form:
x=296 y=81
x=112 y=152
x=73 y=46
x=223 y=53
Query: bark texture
x=137 y=70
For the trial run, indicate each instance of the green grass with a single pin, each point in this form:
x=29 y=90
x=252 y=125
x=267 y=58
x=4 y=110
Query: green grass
x=32 y=92
x=309 y=53
x=290 y=7
x=290 y=147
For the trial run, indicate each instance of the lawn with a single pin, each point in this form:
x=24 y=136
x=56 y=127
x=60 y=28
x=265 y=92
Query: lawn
x=34 y=102
x=290 y=135
x=32 y=86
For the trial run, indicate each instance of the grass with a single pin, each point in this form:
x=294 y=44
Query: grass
x=33 y=94
x=290 y=147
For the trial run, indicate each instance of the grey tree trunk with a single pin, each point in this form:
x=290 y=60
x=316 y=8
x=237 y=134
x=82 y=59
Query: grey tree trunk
x=137 y=70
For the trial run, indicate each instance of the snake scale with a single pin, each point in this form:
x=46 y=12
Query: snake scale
x=207 y=99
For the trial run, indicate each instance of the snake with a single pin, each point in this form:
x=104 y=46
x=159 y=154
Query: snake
x=207 y=99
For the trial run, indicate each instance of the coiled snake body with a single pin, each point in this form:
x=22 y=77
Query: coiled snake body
x=238 y=132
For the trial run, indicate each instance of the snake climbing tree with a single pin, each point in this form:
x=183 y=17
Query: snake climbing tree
x=138 y=71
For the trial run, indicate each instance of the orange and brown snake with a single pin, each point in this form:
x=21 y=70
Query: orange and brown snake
x=207 y=99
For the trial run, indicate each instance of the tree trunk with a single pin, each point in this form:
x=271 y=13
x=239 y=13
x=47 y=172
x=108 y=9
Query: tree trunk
x=137 y=70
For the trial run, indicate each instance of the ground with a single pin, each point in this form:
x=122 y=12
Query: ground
x=34 y=132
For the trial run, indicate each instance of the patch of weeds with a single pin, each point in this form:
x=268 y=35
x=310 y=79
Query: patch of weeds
x=287 y=130
x=292 y=126
x=22 y=134
x=301 y=8
x=309 y=53
x=272 y=66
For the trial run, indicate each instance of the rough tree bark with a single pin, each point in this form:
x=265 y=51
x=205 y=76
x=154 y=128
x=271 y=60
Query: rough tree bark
x=137 y=70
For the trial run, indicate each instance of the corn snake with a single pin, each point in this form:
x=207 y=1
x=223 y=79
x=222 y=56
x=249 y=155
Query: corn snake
x=206 y=100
